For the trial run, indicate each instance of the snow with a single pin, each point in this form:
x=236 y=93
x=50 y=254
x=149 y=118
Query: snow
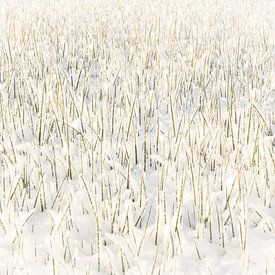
x=137 y=137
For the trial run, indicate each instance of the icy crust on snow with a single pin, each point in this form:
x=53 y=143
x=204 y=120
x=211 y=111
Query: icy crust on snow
x=88 y=88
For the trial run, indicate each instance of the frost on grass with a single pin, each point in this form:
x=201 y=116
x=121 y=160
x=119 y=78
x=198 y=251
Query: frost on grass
x=137 y=137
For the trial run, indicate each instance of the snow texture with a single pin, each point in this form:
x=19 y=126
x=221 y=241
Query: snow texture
x=137 y=137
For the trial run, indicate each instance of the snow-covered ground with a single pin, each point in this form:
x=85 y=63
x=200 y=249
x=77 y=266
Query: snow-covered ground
x=137 y=137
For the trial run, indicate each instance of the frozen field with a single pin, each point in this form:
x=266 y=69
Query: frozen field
x=137 y=137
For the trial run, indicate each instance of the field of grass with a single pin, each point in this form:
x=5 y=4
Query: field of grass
x=137 y=137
